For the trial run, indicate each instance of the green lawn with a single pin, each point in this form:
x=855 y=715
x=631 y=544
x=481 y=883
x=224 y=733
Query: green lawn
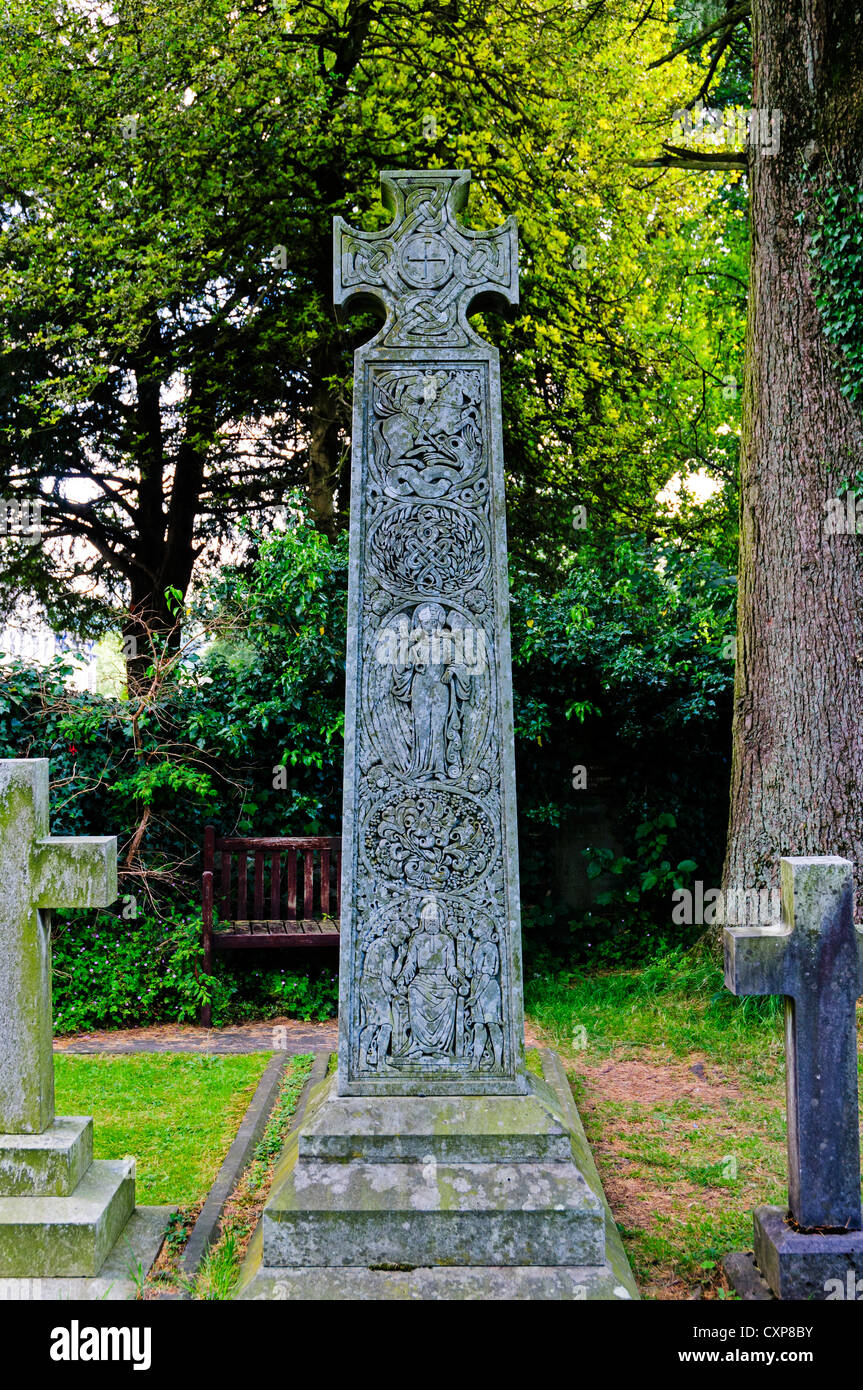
x=682 y=1092
x=176 y=1113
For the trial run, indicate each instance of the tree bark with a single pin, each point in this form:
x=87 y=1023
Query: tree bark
x=323 y=469
x=797 y=740
x=164 y=552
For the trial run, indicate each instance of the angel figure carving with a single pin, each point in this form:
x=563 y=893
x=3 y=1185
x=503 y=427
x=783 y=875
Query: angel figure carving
x=435 y=685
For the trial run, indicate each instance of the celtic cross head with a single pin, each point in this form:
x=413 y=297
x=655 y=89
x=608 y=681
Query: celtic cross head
x=425 y=271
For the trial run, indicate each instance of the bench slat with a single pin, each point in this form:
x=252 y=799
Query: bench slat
x=235 y=941
x=325 y=881
x=266 y=926
x=259 y=884
x=308 y=883
x=225 y=894
x=275 y=841
x=275 y=884
x=292 y=882
x=242 y=869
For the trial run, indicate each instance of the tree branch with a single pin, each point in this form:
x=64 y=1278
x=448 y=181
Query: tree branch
x=729 y=20
x=676 y=158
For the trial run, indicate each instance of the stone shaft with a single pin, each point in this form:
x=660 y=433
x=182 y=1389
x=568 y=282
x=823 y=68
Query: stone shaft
x=36 y=873
x=431 y=997
x=814 y=957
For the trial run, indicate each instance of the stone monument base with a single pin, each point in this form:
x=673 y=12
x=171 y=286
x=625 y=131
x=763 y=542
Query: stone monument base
x=439 y=1197
x=799 y=1265
x=120 y=1276
x=61 y=1213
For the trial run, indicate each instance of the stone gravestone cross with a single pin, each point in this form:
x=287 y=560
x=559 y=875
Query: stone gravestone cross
x=37 y=872
x=814 y=957
x=431 y=964
x=433 y=1165
x=61 y=1212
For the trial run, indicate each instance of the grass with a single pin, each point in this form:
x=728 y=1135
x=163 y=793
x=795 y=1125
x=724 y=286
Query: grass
x=220 y=1268
x=682 y=1091
x=177 y=1114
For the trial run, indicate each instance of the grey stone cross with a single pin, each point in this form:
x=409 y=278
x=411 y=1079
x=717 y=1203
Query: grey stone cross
x=814 y=957
x=37 y=872
x=426 y=270
x=430 y=980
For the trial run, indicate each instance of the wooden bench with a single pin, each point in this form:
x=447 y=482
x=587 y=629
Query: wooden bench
x=267 y=893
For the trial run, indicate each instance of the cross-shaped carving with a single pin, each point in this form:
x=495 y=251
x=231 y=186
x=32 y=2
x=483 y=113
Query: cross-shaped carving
x=37 y=872
x=426 y=271
x=814 y=956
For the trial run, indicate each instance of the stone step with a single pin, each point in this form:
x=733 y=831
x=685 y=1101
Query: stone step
x=67 y=1236
x=373 y=1214
x=47 y=1165
x=479 y=1283
x=450 y=1129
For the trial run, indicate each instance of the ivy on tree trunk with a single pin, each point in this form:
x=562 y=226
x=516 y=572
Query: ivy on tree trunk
x=797 y=760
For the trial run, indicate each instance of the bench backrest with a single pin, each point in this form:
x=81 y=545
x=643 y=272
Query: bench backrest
x=285 y=878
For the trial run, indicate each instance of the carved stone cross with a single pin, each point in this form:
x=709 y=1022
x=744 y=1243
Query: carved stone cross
x=814 y=956
x=431 y=949
x=37 y=872
x=425 y=270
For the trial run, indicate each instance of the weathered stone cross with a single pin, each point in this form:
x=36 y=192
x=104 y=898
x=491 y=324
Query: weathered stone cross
x=814 y=956
x=428 y=272
x=430 y=926
x=37 y=872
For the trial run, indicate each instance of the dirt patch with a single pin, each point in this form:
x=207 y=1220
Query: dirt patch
x=271 y=1035
x=652 y=1083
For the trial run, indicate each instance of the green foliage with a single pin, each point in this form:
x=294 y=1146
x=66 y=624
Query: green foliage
x=149 y=330
x=274 y=697
x=267 y=692
x=627 y=663
x=110 y=973
x=647 y=876
x=836 y=248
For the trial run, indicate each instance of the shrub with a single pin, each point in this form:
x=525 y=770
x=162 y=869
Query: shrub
x=110 y=973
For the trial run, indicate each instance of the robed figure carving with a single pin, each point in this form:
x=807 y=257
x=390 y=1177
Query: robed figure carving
x=434 y=984
x=434 y=686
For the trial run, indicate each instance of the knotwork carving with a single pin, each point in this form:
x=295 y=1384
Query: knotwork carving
x=439 y=550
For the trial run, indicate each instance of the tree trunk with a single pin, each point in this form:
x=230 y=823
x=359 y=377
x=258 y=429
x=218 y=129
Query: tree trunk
x=797 y=742
x=324 y=460
x=165 y=551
